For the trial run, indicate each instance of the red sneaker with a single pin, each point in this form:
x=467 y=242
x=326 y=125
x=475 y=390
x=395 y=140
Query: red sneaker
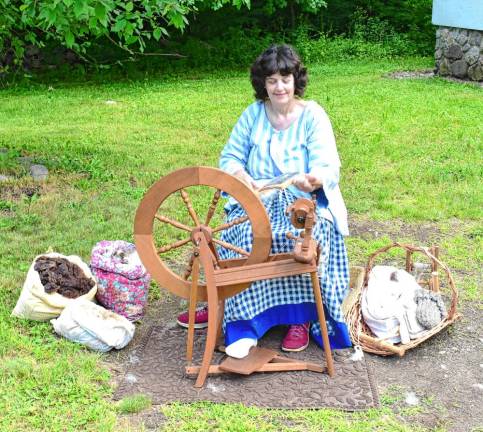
x=201 y=318
x=297 y=338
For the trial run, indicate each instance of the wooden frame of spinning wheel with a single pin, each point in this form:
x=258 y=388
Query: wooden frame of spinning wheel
x=224 y=278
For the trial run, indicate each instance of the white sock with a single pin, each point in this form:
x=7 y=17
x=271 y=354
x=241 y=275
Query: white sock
x=240 y=348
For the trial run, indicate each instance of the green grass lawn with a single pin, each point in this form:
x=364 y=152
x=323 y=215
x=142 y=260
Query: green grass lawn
x=411 y=154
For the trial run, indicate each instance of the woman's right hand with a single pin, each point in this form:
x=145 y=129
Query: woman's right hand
x=246 y=178
x=307 y=182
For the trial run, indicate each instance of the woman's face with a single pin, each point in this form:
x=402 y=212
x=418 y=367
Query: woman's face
x=280 y=88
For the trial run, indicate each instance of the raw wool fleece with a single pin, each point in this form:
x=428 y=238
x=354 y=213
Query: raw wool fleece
x=34 y=303
x=430 y=310
x=62 y=276
x=388 y=305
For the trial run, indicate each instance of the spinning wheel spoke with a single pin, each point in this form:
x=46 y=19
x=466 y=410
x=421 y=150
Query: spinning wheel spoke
x=212 y=208
x=173 y=245
x=189 y=206
x=189 y=267
x=176 y=224
x=232 y=247
x=236 y=221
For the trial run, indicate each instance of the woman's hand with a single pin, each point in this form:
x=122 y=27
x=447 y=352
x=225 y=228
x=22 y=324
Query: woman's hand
x=307 y=182
x=246 y=178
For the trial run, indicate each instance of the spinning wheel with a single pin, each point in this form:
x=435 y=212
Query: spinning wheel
x=148 y=213
x=224 y=278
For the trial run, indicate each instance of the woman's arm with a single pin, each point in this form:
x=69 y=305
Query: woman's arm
x=323 y=159
x=234 y=156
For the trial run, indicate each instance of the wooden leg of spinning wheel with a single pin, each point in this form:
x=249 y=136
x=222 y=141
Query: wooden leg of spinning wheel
x=195 y=270
x=221 y=312
x=323 y=324
x=213 y=306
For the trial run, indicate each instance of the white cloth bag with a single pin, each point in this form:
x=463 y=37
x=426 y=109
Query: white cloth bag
x=94 y=326
x=34 y=303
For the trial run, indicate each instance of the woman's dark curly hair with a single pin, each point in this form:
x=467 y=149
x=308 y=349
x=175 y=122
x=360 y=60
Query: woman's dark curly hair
x=278 y=59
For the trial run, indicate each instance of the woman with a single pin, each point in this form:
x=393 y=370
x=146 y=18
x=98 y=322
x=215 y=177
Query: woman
x=281 y=133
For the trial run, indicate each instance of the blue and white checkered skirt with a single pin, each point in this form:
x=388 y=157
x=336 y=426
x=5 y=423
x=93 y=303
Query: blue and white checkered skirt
x=288 y=300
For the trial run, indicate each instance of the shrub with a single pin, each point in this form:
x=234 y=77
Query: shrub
x=379 y=41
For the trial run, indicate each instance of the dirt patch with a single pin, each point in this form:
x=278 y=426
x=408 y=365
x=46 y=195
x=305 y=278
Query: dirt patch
x=429 y=73
x=426 y=73
x=151 y=419
x=16 y=192
x=7 y=209
x=443 y=377
x=424 y=233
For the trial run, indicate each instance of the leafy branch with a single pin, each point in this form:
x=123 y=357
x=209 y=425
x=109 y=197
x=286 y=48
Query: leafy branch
x=75 y=24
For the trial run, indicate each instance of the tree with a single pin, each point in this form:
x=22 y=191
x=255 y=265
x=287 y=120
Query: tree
x=75 y=24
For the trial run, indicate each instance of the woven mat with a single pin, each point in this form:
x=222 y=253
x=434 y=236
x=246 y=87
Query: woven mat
x=158 y=371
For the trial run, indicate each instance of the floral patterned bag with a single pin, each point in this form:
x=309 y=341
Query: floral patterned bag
x=122 y=280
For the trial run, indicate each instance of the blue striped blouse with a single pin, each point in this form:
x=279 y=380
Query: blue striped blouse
x=306 y=146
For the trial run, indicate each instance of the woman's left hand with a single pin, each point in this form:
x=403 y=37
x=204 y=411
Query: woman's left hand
x=307 y=182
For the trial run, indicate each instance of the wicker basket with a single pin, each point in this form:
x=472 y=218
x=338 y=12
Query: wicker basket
x=361 y=333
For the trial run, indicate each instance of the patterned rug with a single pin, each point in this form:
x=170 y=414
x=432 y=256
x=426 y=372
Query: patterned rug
x=158 y=372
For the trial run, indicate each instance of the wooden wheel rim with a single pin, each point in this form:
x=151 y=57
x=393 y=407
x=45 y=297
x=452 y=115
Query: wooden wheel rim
x=194 y=176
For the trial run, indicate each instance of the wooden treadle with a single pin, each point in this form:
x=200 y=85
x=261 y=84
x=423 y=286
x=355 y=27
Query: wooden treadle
x=256 y=358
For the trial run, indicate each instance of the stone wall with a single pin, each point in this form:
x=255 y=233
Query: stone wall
x=459 y=53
